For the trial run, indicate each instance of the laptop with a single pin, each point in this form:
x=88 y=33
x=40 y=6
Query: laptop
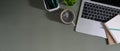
x=93 y=12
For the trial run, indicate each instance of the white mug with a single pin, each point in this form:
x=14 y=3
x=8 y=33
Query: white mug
x=67 y=16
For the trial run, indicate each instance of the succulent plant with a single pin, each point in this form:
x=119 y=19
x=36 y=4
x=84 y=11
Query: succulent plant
x=69 y=2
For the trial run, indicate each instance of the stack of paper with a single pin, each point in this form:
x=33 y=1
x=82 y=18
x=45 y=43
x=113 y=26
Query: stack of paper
x=113 y=27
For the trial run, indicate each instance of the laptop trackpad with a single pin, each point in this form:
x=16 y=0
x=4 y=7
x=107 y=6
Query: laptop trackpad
x=90 y=27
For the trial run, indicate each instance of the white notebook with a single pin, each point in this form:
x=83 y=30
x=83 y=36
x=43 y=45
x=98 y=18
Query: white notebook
x=113 y=26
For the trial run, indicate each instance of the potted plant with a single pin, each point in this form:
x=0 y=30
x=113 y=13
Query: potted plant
x=69 y=2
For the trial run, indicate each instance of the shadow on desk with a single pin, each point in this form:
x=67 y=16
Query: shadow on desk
x=37 y=4
x=54 y=16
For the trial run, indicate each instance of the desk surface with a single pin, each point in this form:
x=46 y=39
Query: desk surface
x=26 y=26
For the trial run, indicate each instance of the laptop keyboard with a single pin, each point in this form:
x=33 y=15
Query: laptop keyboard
x=98 y=12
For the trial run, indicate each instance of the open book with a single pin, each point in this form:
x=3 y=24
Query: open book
x=113 y=26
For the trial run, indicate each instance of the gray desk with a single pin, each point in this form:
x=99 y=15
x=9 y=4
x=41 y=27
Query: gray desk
x=26 y=26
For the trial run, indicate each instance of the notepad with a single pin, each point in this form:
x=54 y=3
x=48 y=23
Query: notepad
x=113 y=26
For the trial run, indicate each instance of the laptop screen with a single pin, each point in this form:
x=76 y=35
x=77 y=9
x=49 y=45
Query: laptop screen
x=109 y=2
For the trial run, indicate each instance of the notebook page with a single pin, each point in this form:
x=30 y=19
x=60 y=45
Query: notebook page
x=113 y=26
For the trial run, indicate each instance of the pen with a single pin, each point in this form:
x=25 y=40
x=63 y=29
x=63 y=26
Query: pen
x=116 y=29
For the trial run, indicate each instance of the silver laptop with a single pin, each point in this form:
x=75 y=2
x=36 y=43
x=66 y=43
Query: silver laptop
x=93 y=12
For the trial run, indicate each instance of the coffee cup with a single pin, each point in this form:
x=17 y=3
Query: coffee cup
x=67 y=16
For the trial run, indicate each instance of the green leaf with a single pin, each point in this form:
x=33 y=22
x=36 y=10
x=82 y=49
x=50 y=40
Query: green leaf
x=69 y=2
